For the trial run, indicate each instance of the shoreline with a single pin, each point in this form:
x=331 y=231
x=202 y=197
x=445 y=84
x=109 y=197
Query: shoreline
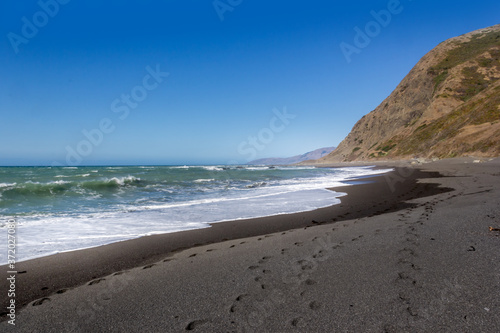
x=46 y=275
x=410 y=251
x=53 y=227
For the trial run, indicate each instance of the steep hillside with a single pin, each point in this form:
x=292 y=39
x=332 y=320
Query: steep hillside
x=312 y=155
x=448 y=105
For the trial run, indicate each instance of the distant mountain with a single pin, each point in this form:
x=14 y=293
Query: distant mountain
x=312 y=155
x=447 y=106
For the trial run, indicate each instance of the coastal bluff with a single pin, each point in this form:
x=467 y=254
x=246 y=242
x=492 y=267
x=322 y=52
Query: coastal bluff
x=447 y=106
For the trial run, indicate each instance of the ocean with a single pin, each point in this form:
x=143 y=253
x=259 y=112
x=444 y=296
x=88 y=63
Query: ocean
x=60 y=209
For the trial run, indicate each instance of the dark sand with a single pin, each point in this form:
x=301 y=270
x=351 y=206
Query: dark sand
x=410 y=252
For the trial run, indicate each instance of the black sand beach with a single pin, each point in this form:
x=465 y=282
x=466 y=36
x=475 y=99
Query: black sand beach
x=410 y=251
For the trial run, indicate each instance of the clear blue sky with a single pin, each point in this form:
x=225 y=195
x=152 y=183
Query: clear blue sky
x=99 y=67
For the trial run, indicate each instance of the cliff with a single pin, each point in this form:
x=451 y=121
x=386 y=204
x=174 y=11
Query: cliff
x=447 y=106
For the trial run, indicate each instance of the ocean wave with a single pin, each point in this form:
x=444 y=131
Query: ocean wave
x=204 y=180
x=258 y=168
x=294 y=168
x=258 y=184
x=214 y=168
x=39 y=189
x=180 y=167
x=63 y=187
x=111 y=183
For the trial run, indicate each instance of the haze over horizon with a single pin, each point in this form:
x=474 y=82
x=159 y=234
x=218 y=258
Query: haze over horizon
x=211 y=82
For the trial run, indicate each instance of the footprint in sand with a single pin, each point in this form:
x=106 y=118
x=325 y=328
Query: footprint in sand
x=41 y=301
x=305 y=265
x=310 y=282
x=298 y=322
x=320 y=254
x=314 y=305
x=238 y=299
x=241 y=297
x=195 y=324
x=408 y=251
x=95 y=282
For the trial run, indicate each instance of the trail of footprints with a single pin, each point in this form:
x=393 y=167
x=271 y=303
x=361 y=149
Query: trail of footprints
x=266 y=288
x=91 y=283
x=408 y=277
x=264 y=279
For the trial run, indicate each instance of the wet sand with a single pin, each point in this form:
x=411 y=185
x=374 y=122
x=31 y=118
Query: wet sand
x=408 y=252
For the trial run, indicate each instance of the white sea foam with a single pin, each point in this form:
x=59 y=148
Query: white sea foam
x=257 y=168
x=212 y=168
x=122 y=180
x=48 y=233
x=204 y=180
x=59 y=182
x=180 y=167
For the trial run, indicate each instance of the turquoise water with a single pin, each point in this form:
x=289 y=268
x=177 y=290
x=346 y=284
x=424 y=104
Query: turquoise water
x=67 y=208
